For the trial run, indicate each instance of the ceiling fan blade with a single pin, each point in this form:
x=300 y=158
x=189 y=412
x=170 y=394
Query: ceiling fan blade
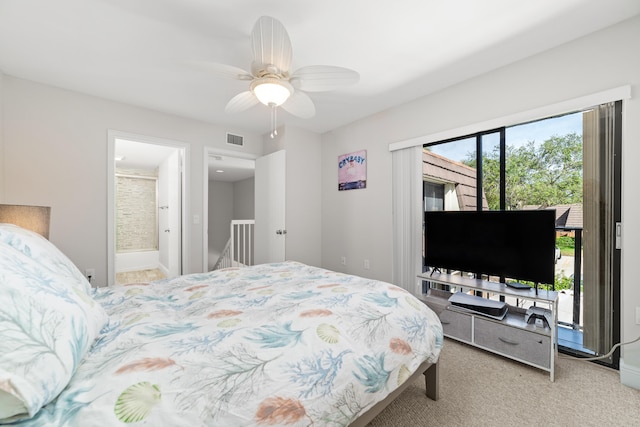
x=271 y=46
x=241 y=102
x=223 y=70
x=299 y=104
x=320 y=78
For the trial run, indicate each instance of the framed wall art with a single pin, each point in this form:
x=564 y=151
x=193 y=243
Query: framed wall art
x=352 y=171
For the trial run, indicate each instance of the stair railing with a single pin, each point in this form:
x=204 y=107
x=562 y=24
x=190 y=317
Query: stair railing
x=238 y=252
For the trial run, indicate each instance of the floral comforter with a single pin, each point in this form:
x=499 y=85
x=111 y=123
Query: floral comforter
x=274 y=344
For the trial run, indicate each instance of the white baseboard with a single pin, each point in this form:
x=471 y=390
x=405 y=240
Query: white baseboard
x=629 y=375
x=135 y=261
x=163 y=269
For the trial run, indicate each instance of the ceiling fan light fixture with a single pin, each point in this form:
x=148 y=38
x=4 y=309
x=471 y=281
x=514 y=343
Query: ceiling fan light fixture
x=271 y=91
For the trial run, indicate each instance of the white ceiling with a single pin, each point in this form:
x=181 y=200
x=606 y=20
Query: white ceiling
x=140 y=155
x=141 y=52
x=229 y=169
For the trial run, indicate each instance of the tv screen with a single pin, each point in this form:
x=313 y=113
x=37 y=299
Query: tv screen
x=517 y=244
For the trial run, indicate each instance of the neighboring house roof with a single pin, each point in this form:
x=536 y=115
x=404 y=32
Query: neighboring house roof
x=437 y=168
x=567 y=216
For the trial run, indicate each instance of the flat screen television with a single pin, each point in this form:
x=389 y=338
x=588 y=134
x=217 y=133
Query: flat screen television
x=518 y=244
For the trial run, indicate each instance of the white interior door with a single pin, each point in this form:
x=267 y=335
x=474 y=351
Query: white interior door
x=163 y=222
x=270 y=230
x=170 y=214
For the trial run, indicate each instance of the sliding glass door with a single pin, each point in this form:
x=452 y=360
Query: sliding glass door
x=571 y=164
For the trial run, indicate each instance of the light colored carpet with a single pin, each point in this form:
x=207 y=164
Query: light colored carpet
x=141 y=276
x=478 y=388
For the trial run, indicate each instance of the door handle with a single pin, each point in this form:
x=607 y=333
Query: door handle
x=279 y=232
x=167 y=230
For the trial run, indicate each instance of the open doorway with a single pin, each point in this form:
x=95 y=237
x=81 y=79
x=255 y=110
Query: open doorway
x=229 y=194
x=146 y=221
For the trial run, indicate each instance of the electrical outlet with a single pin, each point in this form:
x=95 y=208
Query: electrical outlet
x=343 y=260
x=90 y=273
x=367 y=264
x=637 y=315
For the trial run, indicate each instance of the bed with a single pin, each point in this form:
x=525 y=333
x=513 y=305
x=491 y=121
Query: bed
x=272 y=344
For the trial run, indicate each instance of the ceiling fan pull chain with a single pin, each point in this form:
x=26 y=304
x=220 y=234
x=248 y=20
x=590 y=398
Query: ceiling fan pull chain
x=274 y=130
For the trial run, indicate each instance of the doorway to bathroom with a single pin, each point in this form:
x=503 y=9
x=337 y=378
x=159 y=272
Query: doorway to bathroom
x=146 y=208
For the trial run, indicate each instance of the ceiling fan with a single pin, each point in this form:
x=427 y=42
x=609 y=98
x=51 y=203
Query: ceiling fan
x=271 y=81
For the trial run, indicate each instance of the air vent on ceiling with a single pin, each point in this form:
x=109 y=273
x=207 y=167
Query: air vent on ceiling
x=235 y=139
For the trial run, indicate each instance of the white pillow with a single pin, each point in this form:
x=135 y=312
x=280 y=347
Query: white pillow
x=48 y=323
x=46 y=253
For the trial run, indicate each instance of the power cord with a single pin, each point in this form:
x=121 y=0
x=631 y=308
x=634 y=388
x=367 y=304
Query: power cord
x=606 y=356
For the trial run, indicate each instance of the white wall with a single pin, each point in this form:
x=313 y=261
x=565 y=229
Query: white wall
x=220 y=214
x=357 y=224
x=303 y=211
x=2 y=156
x=244 y=199
x=56 y=155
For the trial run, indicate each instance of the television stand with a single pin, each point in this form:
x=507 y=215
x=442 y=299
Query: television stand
x=519 y=335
